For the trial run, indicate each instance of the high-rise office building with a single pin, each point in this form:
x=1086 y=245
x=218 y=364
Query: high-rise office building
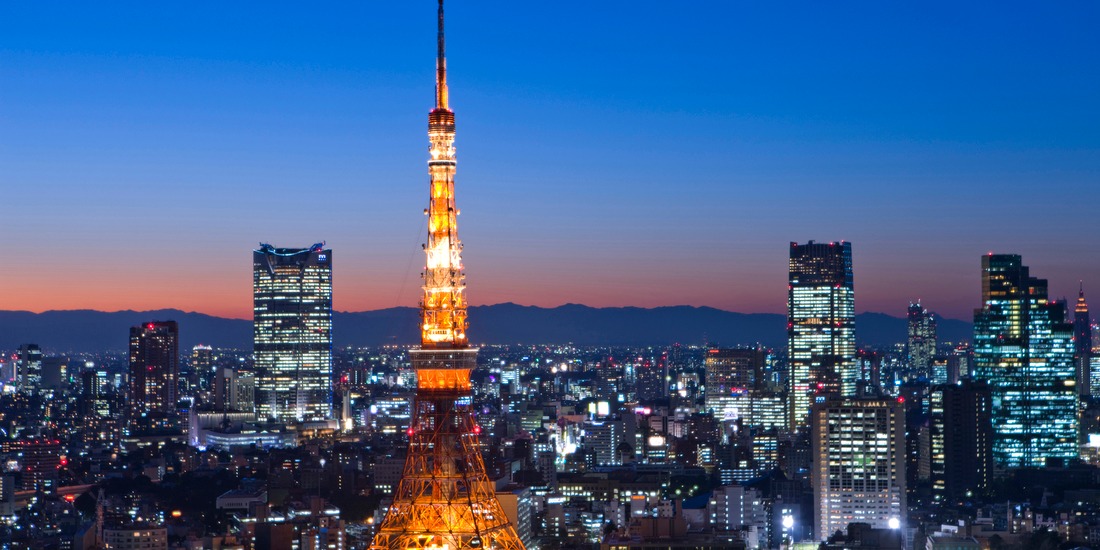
x=41 y=459
x=869 y=365
x=604 y=437
x=960 y=453
x=234 y=390
x=858 y=472
x=821 y=340
x=201 y=366
x=93 y=394
x=29 y=368
x=154 y=376
x=961 y=360
x=1024 y=349
x=651 y=379
x=921 y=347
x=730 y=374
x=292 y=324
x=1082 y=344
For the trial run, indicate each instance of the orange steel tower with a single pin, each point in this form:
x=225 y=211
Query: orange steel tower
x=445 y=500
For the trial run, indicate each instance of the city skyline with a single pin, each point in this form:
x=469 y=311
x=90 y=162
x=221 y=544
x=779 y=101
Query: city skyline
x=134 y=149
x=621 y=155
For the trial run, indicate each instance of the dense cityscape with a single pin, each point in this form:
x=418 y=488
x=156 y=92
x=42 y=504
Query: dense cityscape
x=990 y=442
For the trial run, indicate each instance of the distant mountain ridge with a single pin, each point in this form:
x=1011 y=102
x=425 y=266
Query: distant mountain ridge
x=508 y=323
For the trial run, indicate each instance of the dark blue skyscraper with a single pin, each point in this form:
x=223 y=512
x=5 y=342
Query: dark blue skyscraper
x=1024 y=349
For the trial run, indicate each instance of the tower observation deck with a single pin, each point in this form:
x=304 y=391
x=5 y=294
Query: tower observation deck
x=445 y=500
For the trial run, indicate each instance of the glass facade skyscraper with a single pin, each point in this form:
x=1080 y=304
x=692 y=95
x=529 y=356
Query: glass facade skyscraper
x=29 y=368
x=922 y=340
x=820 y=326
x=292 y=316
x=1024 y=349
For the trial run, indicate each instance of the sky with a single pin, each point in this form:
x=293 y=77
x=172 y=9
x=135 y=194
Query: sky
x=609 y=153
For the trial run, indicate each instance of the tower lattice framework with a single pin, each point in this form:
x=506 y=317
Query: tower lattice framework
x=445 y=499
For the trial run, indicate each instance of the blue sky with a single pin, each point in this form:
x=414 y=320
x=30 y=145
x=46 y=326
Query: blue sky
x=610 y=153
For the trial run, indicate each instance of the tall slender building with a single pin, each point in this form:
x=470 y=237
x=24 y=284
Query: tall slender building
x=154 y=376
x=922 y=339
x=1082 y=344
x=29 y=368
x=445 y=498
x=201 y=365
x=821 y=339
x=1024 y=349
x=292 y=332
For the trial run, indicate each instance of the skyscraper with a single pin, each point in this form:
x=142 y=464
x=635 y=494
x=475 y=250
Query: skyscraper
x=29 y=368
x=1082 y=344
x=292 y=324
x=858 y=472
x=960 y=439
x=154 y=376
x=445 y=498
x=1023 y=348
x=820 y=326
x=922 y=340
x=651 y=378
x=730 y=373
x=201 y=365
x=234 y=390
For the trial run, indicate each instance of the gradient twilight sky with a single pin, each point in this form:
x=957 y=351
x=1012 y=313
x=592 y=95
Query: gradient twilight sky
x=610 y=153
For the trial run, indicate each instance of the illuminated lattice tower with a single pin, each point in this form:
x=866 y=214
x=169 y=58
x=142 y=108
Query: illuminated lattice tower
x=445 y=499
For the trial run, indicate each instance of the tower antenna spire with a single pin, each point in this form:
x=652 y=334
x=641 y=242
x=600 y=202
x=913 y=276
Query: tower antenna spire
x=441 y=67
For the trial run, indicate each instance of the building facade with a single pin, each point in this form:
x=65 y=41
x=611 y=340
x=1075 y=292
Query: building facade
x=136 y=537
x=154 y=376
x=731 y=374
x=1082 y=344
x=29 y=368
x=921 y=347
x=858 y=471
x=960 y=438
x=1024 y=349
x=820 y=326
x=292 y=317
x=201 y=366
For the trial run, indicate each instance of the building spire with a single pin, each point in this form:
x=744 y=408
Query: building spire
x=443 y=307
x=441 y=67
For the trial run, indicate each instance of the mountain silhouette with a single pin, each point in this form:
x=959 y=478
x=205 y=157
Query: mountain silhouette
x=90 y=331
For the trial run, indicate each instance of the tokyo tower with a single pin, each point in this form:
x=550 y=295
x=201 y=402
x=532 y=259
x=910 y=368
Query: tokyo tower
x=445 y=500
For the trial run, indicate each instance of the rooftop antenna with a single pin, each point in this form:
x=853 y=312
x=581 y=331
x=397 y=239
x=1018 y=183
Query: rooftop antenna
x=441 y=67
